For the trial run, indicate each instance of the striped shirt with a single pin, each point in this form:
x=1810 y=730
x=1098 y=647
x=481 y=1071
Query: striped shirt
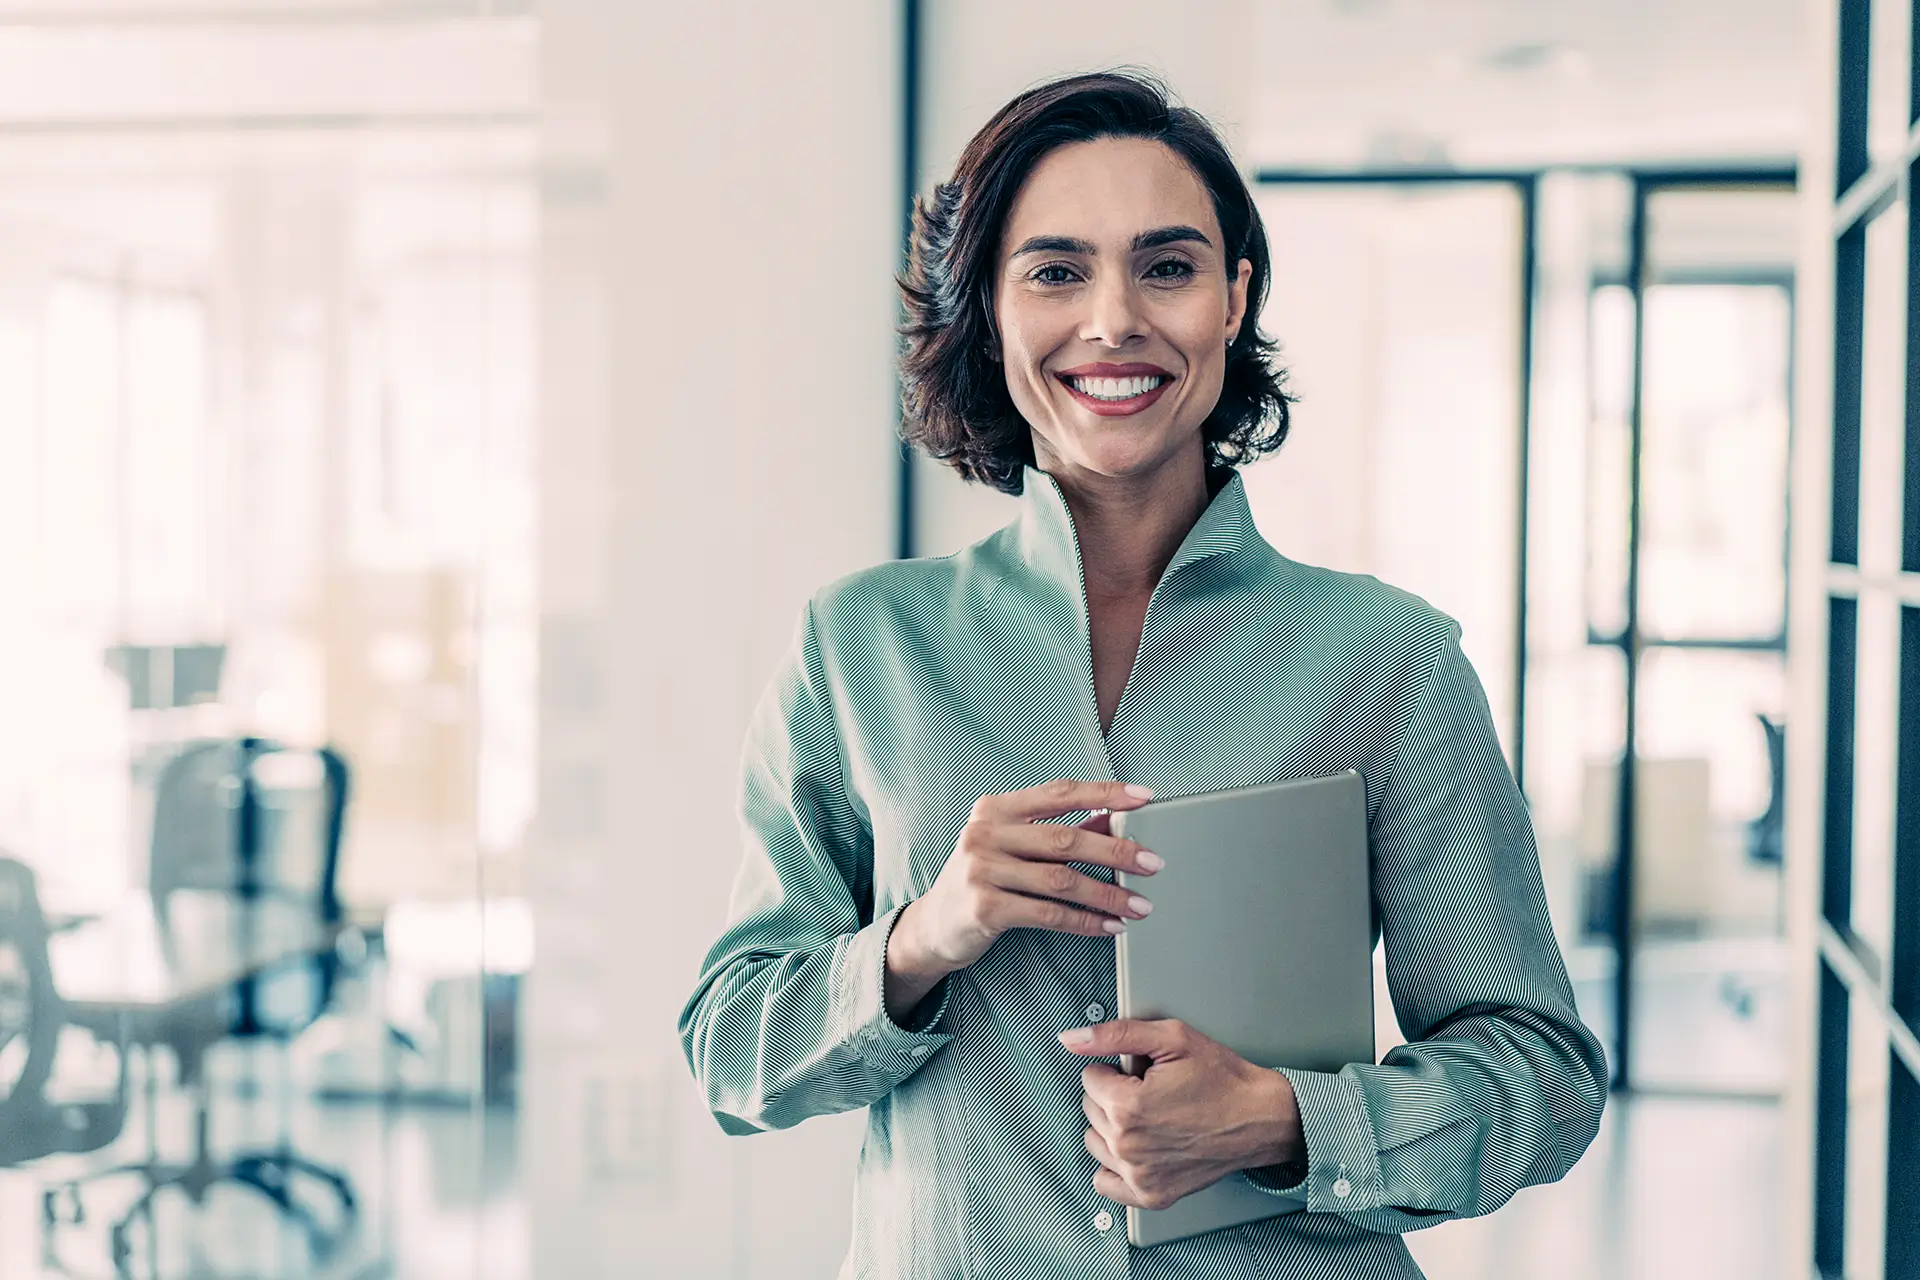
x=915 y=687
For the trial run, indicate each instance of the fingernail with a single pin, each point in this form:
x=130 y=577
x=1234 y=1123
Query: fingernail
x=1150 y=861
x=1079 y=1035
x=1139 y=905
x=1139 y=792
x=1114 y=926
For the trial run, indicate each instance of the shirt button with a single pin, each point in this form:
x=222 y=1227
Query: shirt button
x=918 y=1051
x=1103 y=1220
x=1095 y=1012
x=1342 y=1188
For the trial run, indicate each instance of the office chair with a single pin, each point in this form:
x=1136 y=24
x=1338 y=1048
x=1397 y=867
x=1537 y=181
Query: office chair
x=227 y=866
x=29 y=1013
x=1766 y=833
x=33 y=1122
x=1766 y=839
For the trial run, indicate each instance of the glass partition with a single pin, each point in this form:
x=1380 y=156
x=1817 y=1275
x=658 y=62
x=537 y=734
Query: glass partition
x=266 y=641
x=1401 y=308
x=1708 y=577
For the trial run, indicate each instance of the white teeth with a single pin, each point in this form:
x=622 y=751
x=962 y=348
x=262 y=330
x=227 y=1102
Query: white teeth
x=1115 y=388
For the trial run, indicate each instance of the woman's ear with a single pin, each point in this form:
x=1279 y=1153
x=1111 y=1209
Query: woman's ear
x=1237 y=299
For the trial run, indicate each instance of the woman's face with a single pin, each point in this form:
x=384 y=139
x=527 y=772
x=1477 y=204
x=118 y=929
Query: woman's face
x=1115 y=305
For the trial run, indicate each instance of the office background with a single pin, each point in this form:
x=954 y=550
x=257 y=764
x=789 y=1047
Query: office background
x=479 y=387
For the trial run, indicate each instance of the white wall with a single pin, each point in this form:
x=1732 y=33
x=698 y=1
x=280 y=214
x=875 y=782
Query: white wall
x=1492 y=83
x=195 y=65
x=720 y=218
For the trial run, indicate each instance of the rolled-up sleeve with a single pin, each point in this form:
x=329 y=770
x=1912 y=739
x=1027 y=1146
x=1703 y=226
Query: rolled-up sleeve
x=788 y=1018
x=1500 y=1086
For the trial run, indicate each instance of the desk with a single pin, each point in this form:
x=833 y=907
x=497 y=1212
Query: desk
x=116 y=963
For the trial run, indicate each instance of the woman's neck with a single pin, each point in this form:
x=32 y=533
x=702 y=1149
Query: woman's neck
x=1129 y=528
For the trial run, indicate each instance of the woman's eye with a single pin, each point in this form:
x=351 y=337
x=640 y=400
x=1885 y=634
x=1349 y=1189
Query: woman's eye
x=1181 y=269
x=1053 y=273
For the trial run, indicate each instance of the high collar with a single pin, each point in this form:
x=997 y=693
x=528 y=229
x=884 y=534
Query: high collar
x=1049 y=544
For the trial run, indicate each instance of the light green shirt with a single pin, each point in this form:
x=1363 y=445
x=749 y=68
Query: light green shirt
x=915 y=687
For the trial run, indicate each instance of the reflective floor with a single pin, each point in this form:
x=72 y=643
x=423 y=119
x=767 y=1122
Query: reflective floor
x=1672 y=1189
x=436 y=1185
x=1709 y=1016
x=1680 y=1189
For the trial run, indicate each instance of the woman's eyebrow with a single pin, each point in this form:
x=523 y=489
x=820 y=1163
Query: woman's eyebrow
x=1053 y=244
x=1168 y=235
x=1145 y=240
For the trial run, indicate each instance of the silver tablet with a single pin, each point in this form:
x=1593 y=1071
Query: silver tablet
x=1261 y=937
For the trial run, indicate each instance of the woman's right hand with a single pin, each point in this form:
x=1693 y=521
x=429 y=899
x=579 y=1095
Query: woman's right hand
x=1010 y=871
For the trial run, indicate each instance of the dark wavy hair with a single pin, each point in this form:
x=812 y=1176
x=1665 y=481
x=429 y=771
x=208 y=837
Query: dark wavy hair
x=955 y=403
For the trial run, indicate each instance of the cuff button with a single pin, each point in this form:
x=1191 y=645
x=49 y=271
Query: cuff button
x=918 y=1051
x=1343 y=1188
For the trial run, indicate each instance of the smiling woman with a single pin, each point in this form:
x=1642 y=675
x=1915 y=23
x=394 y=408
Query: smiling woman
x=1091 y=232
x=923 y=922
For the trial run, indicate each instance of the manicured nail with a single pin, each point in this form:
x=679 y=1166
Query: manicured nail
x=1150 y=861
x=1139 y=905
x=1114 y=926
x=1079 y=1035
x=1139 y=792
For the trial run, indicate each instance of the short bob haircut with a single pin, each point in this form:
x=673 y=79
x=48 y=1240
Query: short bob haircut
x=954 y=395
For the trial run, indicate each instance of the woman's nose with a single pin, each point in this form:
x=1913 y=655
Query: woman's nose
x=1114 y=315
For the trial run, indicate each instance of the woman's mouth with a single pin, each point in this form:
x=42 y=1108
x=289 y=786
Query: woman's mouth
x=1116 y=397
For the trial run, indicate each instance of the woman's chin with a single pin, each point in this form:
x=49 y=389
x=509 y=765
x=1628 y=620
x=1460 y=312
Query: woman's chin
x=1115 y=452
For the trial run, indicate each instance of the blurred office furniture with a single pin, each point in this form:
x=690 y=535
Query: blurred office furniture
x=457 y=967
x=171 y=675
x=35 y=1119
x=1672 y=881
x=1766 y=833
x=239 y=939
x=398 y=673
x=165 y=685
x=1765 y=848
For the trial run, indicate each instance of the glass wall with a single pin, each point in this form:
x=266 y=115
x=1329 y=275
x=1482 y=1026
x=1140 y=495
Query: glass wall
x=266 y=637
x=1404 y=304
x=1707 y=571
x=1399 y=308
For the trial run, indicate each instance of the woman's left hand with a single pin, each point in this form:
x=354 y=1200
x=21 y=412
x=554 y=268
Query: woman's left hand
x=1200 y=1113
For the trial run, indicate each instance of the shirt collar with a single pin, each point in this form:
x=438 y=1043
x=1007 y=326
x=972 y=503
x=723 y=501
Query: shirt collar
x=1049 y=543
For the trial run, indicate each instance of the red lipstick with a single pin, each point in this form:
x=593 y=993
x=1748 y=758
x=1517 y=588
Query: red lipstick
x=1106 y=407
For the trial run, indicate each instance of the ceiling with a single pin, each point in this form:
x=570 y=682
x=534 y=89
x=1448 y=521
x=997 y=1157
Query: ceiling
x=1472 y=83
x=1491 y=82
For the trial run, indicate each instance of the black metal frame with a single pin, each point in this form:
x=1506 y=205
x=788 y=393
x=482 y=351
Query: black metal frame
x=1849 y=332
x=1852 y=983
x=1646 y=184
x=1830 y=1130
x=906 y=509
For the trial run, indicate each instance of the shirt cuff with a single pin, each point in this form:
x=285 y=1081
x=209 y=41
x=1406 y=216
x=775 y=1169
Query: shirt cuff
x=1343 y=1167
x=878 y=1037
